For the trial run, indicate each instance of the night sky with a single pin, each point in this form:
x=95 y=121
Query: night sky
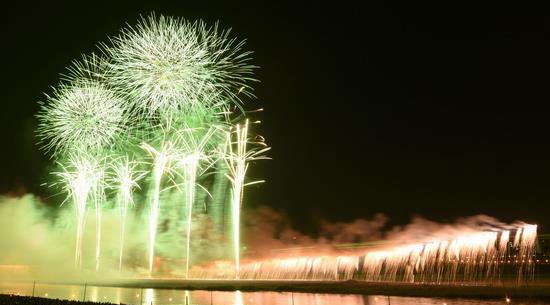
x=435 y=111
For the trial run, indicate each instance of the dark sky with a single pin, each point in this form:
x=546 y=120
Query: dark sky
x=436 y=111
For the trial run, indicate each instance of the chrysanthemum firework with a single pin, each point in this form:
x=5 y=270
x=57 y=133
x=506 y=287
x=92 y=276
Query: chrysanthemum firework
x=166 y=64
x=79 y=116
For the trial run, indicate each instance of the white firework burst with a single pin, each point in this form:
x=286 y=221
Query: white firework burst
x=166 y=64
x=80 y=116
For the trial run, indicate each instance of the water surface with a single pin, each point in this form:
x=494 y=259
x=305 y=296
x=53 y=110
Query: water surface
x=137 y=296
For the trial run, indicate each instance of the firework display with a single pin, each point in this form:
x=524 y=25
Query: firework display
x=153 y=115
x=156 y=130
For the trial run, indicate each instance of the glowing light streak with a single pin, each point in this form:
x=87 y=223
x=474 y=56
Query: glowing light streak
x=192 y=156
x=237 y=157
x=126 y=178
x=161 y=164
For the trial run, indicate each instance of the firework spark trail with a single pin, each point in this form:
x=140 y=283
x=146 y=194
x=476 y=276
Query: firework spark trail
x=126 y=179
x=96 y=175
x=82 y=179
x=526 y=251
x=98 y=198
x=78 y=188
x=190 y=165
x=237 y=166
x=517 y=238
x=503 y=243
x=161 y=164
x=193 y=155
x=237 y=162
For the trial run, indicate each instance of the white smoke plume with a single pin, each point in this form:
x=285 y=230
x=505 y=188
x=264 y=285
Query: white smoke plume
x=38 y=242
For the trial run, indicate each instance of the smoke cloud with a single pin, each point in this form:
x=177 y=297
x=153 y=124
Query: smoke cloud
x=39 y=242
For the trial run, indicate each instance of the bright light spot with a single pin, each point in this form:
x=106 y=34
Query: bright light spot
x=46 y=294
x=508 y=300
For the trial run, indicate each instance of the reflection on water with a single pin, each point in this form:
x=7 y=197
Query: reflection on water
x=137 y=296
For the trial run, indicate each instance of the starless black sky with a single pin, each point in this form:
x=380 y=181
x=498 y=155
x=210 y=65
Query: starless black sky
x=437 y=111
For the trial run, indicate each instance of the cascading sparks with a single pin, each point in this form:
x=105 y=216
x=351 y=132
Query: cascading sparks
x=161 y=164
x=237 y=157
x=126 y=178
x=477 y=257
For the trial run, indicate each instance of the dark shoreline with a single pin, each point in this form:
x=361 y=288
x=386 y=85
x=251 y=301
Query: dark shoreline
x=19 y=299
x=531 y=290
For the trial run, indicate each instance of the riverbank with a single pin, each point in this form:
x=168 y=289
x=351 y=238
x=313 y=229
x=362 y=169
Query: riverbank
x=532 y=290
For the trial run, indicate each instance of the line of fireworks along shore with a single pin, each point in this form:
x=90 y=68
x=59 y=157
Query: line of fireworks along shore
x=471 y=257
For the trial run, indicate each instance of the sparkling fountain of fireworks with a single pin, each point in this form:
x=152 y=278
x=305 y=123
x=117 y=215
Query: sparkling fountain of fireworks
x=80 y=120
x=126 y=178
x=163 y=158
x=471 y=257
x=193 y=143
x=526 y=250
x=98 y=197
x=83 y=180
x=237 y=158
x=77 y=182
x=162 y=68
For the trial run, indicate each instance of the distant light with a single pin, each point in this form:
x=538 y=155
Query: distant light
x=46 y=294
x=508 y=300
